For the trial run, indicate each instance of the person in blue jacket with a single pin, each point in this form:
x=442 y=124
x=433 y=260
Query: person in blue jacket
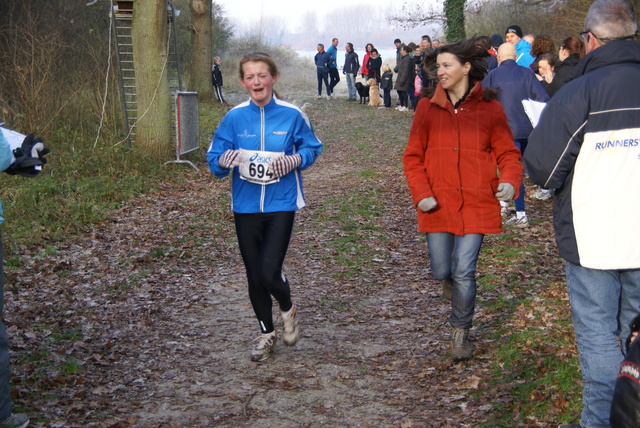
x=515 y=84
x=264 y=143
x=514 y=36
x=323 y=61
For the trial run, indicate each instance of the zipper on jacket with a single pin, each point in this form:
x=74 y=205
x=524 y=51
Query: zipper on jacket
x=262 y=146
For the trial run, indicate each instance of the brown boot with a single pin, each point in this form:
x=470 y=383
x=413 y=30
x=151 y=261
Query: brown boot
x=461 y=347
x=447 y=287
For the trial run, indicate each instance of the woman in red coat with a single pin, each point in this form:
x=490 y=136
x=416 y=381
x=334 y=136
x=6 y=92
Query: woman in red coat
x=460 y=161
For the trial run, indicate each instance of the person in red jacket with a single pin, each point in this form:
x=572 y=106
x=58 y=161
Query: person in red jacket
x=459 y=140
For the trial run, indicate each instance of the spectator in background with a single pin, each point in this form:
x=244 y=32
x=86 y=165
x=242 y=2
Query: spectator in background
x=365 y=71
x=398 y=45
x=411 y=92
x=570 y=53
x=405 y=75
x=216 y=79
x=323 y=60
x=546 y=69
x=523 y=48
x=515 y=83
x=334 y=76
x=496 y=41
x=586 y=147
x=540 y=46
x=386 y=84
x=492 y=59
x=428 y=75
x=350 y=70
x=374 y=64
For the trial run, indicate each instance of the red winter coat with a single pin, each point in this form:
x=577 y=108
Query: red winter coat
x=454 y=156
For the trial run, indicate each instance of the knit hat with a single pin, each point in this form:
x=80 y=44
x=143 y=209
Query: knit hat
x=514 y=29
x=496 y=40
x=396 y=41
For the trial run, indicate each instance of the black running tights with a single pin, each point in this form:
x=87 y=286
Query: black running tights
x=264 y=239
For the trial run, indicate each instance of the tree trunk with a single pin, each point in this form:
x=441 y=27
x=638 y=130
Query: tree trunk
x=149 y=35
x=201 y=49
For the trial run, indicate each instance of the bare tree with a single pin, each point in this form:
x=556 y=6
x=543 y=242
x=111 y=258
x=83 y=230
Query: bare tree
x=201 y=49
x=150 y=56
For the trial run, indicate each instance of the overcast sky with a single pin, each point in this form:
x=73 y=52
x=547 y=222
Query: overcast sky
x=250 y=11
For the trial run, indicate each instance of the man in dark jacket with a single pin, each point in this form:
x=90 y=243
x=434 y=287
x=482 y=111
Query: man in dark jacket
x=515 y=84
x=587 y=147
x=350 y=69
x=323 y=60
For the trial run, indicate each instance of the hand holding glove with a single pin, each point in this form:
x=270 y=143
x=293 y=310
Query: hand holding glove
x=284 y=165
x=29 y=157
x=506 y=192
x=229 y=159
x=427 y=204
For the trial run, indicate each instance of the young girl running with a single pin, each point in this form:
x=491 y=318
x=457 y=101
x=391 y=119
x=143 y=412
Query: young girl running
x=265 y=143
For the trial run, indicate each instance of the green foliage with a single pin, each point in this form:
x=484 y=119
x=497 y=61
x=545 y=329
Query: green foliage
x=454 y=13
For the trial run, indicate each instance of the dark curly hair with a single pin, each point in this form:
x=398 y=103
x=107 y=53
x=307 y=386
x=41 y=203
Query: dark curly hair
x=542 y=45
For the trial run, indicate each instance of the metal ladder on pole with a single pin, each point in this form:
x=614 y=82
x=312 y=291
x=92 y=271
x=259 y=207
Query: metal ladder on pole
x=122 y=17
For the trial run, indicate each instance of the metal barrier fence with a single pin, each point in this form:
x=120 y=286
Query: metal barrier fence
x=187 y=126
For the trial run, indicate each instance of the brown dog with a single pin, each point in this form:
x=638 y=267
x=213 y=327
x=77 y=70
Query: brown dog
x=375 y=99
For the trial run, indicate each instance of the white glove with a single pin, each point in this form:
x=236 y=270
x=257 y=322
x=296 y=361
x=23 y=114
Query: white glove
x=229 y=159
x=506 y=192
x=284 y=165
x=427 y=204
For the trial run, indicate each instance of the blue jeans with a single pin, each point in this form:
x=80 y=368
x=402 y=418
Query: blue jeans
x=521 y=144
x=455 y=257
x=351 y=85
x=603 y=303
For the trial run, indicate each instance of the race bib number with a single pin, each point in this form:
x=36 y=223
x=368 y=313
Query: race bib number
x=255 y=164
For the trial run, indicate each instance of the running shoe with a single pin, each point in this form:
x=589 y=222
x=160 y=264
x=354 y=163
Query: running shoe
x=15 y=420
x=520 y=223
x=542 y=194
x=266 y=343
x=291 y=331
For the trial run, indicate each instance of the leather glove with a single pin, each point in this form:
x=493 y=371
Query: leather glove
x=284 y=165
x=229 y=159
x=427 y=204
x=29 y=157
x=506 y=192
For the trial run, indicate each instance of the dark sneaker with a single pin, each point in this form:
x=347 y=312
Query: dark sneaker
x=262 y=350
x=447 y=288
x=291 y=331
x=461 y=347
x=19 y=420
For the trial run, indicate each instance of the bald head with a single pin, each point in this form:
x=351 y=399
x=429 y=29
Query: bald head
x=506 y=51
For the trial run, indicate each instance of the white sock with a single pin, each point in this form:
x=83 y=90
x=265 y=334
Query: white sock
x=520 y=214
x=285 y=315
